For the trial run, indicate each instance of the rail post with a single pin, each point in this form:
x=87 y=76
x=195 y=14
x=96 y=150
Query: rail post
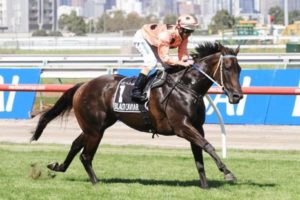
x=223 y=132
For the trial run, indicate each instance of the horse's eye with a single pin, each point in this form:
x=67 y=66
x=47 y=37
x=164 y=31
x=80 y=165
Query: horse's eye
x=227 y=63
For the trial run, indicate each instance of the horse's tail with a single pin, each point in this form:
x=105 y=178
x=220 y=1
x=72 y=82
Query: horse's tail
x=64 y=104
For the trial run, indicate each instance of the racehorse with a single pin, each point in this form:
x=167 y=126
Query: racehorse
x=175 y=108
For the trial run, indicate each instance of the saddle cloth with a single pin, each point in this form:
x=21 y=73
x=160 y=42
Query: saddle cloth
x=122 y=100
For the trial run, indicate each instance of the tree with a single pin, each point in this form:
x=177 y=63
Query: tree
x=101 y=23
x=72 y=23
x=117 y=22
x=63 y=22
x=222 y=20
x=151 y=19
x=277 y=14
x=39 y=33
x=133 y=21
x=90 y=27
x=55 y=34
x=113 y=22
x=294 y=16
x=78 y=27
x=170 y=19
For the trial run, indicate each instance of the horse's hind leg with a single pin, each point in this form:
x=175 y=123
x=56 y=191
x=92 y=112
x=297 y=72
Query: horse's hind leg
x=87 y=155
x=198 y=156
x=77 y=145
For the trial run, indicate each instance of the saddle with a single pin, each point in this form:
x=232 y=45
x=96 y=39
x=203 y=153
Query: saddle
x=124 y=103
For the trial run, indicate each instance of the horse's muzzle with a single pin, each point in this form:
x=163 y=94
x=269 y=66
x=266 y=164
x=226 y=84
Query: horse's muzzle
x=235 y=97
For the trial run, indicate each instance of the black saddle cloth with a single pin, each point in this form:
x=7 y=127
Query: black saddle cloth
x=123 y=101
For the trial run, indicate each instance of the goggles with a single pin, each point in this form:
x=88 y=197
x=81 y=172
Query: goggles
x=187 y=31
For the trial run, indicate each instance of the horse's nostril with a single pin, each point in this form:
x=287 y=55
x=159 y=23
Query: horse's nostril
x=237 y=96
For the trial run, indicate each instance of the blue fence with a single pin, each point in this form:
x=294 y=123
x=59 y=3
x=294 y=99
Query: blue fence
x=253 y=109
x=257 y=109
x=261 y=109
x=17 y=105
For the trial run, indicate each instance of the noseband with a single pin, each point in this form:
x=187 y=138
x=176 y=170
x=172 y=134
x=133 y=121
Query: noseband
x=220 y=65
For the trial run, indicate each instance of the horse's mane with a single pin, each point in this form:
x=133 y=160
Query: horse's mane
x=209 y=48
x=203 y=50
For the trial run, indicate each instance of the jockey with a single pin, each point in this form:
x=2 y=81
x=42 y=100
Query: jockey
x=154 y=41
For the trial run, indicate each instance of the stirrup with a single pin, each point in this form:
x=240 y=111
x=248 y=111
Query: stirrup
x=139 y=98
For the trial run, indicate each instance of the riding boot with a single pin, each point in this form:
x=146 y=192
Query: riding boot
x=137 y=94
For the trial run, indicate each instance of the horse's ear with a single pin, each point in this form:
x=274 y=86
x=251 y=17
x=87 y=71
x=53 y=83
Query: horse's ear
x=221 y=47
x=237 y=50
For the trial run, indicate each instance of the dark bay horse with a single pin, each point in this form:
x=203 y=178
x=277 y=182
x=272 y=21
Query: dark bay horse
x=175 y=108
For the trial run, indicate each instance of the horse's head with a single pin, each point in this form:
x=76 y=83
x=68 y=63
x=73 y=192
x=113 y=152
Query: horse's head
x=222 y=66
x=230 y=74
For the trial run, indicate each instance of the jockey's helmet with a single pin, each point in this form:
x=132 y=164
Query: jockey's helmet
x=187 y=22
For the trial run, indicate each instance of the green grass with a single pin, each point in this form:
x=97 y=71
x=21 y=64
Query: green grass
x=63 y=80
x=262 y=66
x=134 y=172
x=262 y=50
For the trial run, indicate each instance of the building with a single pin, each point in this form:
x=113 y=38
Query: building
x=265 y=5
x=77 y=3
x=42 y=15
x=129 y=6
x=3 y=15
x=12 y=15
x=66 y=10
x=28 y=15
x=93 y=8
x=247 y=6
x=171 y=7
x=109 y=4
x=188 y=7
x=65 y=2
x=154 y=7
x=293 y=5
x=208 y=10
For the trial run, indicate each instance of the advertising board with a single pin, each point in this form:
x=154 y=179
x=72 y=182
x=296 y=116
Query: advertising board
x=17 y=105
x=257 y=109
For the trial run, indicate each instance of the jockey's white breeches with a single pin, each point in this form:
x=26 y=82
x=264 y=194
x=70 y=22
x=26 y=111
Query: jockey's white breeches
x=144 y=48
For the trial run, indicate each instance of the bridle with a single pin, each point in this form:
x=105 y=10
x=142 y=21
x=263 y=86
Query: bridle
x=197 y=67
x=220 y=65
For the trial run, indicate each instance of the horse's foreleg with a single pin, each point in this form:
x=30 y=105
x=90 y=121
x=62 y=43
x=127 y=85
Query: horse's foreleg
x=87 y=155
x=228 y=175
x=198 y=156
x=192 y=135
x=75 y=148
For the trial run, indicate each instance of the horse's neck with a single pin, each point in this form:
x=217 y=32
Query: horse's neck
x=196 y=80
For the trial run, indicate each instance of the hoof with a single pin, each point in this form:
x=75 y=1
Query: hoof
x=94 y=182
x=53 y=166
x=230 y=178
x=204 y=186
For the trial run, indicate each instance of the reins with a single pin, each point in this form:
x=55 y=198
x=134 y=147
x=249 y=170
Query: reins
x=197 y=67
x=176 y=83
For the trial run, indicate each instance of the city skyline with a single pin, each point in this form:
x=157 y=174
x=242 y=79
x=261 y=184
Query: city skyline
x=29 y=15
